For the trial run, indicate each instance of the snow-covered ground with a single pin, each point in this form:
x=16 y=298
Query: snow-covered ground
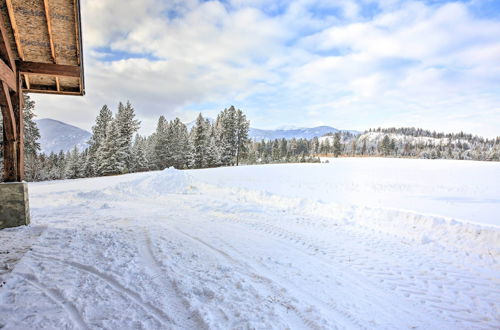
x=356 y=243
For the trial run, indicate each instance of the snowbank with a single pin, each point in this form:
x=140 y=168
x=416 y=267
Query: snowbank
x=460 y=235
x=151 y=185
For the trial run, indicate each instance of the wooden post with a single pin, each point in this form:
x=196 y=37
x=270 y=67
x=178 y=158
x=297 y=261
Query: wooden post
x=10 y=136
x=18 y=107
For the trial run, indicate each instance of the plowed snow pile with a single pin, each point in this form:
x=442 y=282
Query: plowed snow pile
x=303 y=246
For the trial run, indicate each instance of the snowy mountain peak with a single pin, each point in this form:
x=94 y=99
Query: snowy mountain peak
x=57 y=136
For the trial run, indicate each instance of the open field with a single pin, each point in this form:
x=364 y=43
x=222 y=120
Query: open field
x=356 y=243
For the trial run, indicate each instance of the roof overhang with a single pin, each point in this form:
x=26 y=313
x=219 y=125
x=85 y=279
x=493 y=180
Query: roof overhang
x=45 y=41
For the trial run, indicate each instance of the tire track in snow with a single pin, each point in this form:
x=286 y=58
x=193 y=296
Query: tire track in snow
x=57 y=297
x=323 y=250
x=348 y=316
x=252 y=274
x=179 y=306
x=156 y=313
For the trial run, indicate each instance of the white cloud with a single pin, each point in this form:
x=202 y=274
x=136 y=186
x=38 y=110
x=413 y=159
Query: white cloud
x=290 y=62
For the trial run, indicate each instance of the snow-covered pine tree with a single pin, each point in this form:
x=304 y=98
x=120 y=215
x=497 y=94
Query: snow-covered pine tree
x=139 y=160
x=337 y=145
x=213 y=153
x=110 y=154
x=227 y=138
x=31 y=145
x=74 y=164
x=127 y=126
x=179 y=144
x=161 y=144
x=242 y=127
x=385 y=145
x=99 y=130
x=199 y=140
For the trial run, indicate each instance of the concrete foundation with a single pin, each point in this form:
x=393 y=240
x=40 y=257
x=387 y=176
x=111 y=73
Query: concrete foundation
x=14 y=204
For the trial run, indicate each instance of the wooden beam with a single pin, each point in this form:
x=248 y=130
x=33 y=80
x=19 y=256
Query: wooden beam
x=15 y=29
x=7 y=76
x=49 y=29
x=48 y=91
x=10 y=135
x=49 y=69
x=5 y=49
x=27 y=80
x=58 y=86
x=78 y=36
x=76 y=7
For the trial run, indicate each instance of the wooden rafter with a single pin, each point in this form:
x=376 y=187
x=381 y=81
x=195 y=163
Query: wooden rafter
x=27 y=80
x=49 y=69
x=13 y=23
x=9 y=120
x=49 y=30
x=7 y=76
x=5 y=49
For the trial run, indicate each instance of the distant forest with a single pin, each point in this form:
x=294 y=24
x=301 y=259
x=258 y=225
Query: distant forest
x=116 y=148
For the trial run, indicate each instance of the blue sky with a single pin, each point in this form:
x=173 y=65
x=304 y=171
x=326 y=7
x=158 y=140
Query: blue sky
x=348 y=64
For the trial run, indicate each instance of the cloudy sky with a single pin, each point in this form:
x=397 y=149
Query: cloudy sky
x=345 y=63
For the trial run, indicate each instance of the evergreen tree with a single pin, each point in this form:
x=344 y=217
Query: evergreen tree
x=161 y=153
x=242 y=127
x=227 y=135
x=385 y=145
x=199 y=139
x=337 y=146
x=98 y=137
x=179 y=144
x=127 y=126
x=139 y=160
x=111 y=158
x=74 y=164
x=31 y=145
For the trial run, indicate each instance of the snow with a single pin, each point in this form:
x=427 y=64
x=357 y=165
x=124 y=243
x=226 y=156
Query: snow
x=466 y=190
x=355 y=243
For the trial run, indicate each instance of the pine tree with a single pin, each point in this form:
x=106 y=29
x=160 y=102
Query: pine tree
x=337 y=146
x=161 y=144
x=127 y=126
x=111 y=159
x=178 y=144
x=74 y=165
x=98 y=137
x=31 y=145
x=242 y=126
x=139 y=160
x=199 y=139
x=227 y=135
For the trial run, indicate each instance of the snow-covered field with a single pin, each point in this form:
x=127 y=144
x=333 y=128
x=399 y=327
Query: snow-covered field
x=356 y=243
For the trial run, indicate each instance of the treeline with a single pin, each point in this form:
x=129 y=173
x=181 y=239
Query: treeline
x=412 y=143
x=116 y=148
x=283 y=151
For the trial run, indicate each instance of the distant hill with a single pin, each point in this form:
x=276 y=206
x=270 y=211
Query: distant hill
x=298 y=133
x=57 y=136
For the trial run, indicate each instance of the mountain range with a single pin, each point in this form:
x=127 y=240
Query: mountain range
x=57 y=135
